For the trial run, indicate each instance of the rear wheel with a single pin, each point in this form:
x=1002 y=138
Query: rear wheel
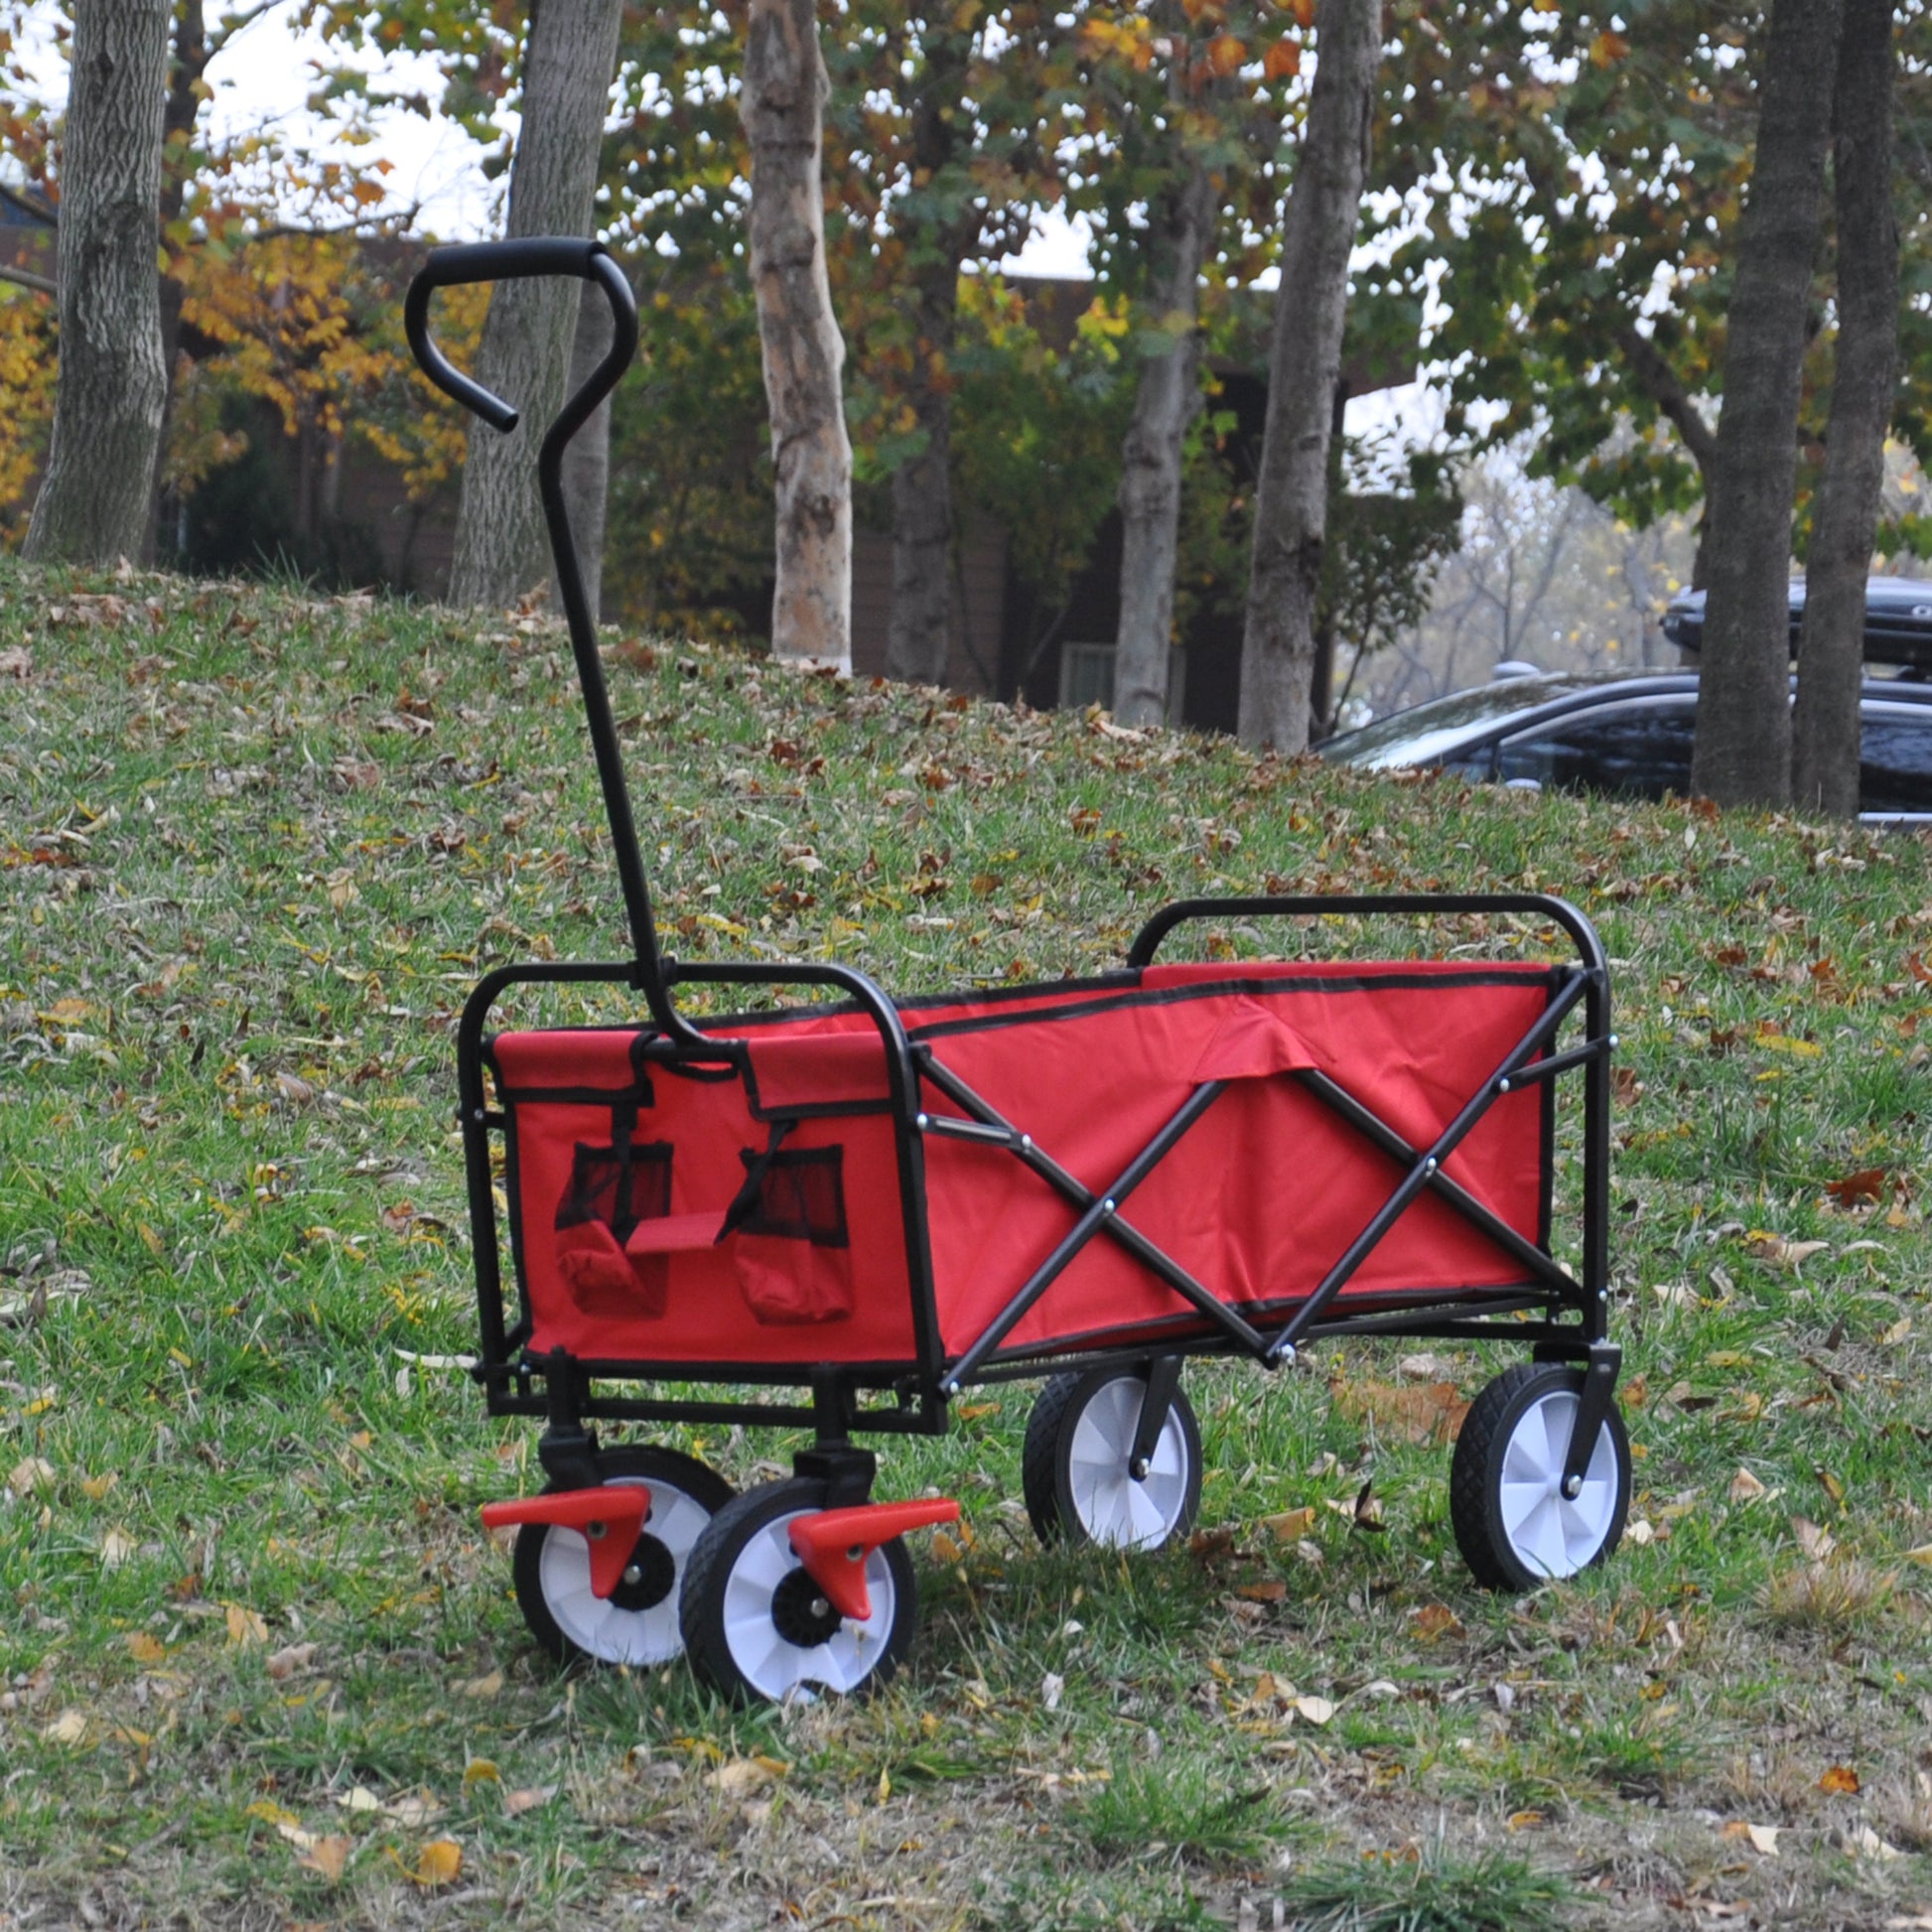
x=1515 y=1527
x=638 y=1623
x=757 y=1627
x=1075 y=1466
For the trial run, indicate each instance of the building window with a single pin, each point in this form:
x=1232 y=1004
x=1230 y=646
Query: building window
x=1087 y=677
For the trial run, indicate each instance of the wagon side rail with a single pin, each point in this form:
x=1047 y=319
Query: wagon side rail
x=1101 y=1212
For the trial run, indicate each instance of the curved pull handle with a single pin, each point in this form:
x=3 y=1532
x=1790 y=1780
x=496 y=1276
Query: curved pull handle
x=505 y=261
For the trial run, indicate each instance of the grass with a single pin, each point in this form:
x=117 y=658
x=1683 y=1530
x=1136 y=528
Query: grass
x=261 y=1666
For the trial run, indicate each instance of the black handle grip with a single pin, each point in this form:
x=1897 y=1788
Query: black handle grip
x=500 y=261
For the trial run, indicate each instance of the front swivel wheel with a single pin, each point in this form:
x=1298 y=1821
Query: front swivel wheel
x=1515 y=1527
x=757 y=1627
x=638 y=1623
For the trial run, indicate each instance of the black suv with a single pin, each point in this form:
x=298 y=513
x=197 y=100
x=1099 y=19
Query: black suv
x=1627 y=735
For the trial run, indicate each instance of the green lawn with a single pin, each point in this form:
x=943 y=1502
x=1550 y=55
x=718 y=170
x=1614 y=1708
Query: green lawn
x=263 y=1666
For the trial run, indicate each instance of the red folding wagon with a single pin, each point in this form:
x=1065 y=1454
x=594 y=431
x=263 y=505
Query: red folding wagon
x=875 y=1202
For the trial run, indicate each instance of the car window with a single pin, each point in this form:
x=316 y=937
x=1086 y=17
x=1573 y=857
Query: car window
x=1895 y=758
x=1640 y=750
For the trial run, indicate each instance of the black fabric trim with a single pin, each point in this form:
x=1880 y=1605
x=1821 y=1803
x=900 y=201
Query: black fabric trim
x=1218 y=987
x=593 y=1168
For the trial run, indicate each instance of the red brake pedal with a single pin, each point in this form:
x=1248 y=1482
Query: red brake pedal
x=609 y=1518
x=834 y=1544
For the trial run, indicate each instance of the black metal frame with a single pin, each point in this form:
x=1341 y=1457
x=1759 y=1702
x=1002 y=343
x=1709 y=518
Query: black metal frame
x=1574 y=1310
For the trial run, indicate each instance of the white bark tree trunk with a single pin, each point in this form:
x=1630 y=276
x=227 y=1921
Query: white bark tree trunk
x=1166 y=403
x=571 y=54
x=586 y=463
x=1304 y=368
x=782 y=107
x=112 y=385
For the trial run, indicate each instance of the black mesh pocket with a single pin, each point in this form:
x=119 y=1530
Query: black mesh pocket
x=800 y=1196
x=618 y=1186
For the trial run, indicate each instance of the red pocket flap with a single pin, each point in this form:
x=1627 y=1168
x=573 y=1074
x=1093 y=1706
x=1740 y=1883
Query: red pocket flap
x=672 y=1234
x=1251 y=1042
x=819 y=1070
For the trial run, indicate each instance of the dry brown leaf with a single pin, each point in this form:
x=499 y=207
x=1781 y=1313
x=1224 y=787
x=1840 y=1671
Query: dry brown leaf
x=1869 y=1845
x=1318 y=1710
x=1897 y=1333
x=30 y=1473
x=116 y=1546
x=1816 y=1543
x=1270 y=1590
x=529 y=1799
x=1433 y=1622
x=1290 y=1525
x=1867 y=1185
x=1776 y=1249
x=1640 y=1531
x=1922 y=1554
x=1745 y=1487
x=144 y=1647
x=70 y=1728
x=742 y=1776
x=481 y=1771
x=413 y=1810
x=285 y=1662
x=1841 y=1780
x=1430 y=1412
x=246 y=1628
x=482 y=1687
x=326 y=1856
x=99 y=1488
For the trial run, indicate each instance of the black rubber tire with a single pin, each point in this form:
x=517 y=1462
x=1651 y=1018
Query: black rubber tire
x=653 y=1466
x=713 y=1605
x=1046 y=1459
x=1477 y=1473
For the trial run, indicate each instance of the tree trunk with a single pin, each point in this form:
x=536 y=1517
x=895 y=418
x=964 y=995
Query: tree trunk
x=569 y=57
x=1166 y=403
x=1742 y=755
x=1304 y=368
x=586 y=463
x=184 y=105
x=919 y=634
x=93 y=500
x=1831 y=652
x=782 y=107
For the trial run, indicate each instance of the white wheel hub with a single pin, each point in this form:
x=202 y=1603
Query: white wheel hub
x=1114 y=1509
x=1554 y=1535
x=773 y=1666
x=594 y=1624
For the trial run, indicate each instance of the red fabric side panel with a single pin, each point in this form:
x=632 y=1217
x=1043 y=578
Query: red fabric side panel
x=1268 y=1189
x=706 y=1313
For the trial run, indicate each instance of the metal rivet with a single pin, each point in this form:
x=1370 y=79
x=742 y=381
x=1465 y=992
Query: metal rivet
x=479 y=1113
x=1429 y=1165
x=1106 y=1207
x=820 y=1607
x=1502 y=1086
x=922 y=1123
x=632 y=1575
x=1614 y=1042
x=1027 y=1141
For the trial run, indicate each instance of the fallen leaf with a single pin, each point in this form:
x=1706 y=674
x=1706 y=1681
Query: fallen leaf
x=482 y=1687
x=1776 y=1249
x=70 y=1728
x=115 y=1549
x=438 y=1863
x=247 y=1627
x=1432 y=1412
x=1867 y=1185
x=479 y=1771
x=99 y=1488
x=1052 y=1688
x=270 y=1813
x=1640 y=1531
x=1922 y=1554
x=1290 y=1525
x=145 y=1647
x=1270 y=1590
x=285 y=1662
x=1318 y=1710
x=529 y=1799
x=1897 y=1333
x=1433 y=1622
x=413 y=1810
x=1745 y=1487
x=1841 y=1780
x=740 y=1777
x=1869 y=1845
x=1816 y=1543
x=30 y=1473
x=326 y=1856
x=359 y=1798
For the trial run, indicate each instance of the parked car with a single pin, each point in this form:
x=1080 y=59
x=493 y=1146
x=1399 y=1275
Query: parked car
x=1625 y=735
x=1897 y=620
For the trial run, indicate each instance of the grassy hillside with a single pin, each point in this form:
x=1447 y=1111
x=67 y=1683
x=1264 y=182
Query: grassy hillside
x=261 y=1665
